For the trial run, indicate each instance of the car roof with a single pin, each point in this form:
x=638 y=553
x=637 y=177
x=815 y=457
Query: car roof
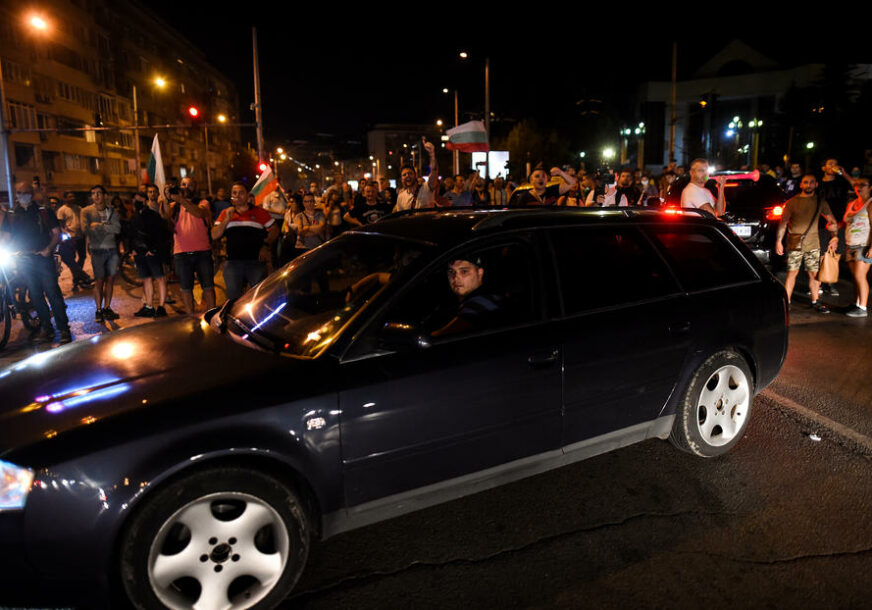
x=449 y=226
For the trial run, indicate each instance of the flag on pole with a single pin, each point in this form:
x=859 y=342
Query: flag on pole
x=265 y=185
x=155 y=168
x=469 y=137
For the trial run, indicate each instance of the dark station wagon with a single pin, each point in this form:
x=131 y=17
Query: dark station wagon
x=191 y=462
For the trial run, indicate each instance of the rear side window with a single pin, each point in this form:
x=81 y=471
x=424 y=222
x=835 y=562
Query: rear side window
x=701 y=257
x=606 y=266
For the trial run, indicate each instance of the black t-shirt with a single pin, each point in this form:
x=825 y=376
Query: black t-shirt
x=836 y=193
x=526 y=197
x=30 y=228
x=149 y=231
x=366 y=213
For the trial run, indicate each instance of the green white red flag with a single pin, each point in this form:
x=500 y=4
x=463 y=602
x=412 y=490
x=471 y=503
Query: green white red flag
x=265 y=185
x=155 y=169
x=468 y=137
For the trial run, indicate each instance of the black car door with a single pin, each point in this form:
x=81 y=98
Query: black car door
x=626 y=329
x=473 y=400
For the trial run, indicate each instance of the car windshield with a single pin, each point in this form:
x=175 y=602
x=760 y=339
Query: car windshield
x=301 y=308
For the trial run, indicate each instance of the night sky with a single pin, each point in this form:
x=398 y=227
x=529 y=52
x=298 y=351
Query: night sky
x=340 y=74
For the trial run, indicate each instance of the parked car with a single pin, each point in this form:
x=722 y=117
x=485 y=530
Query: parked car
x=753 y=211
x=194 y=460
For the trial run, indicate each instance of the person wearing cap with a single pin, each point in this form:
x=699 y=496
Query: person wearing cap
x=476 y=309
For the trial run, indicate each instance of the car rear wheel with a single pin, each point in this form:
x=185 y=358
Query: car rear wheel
x=221 y=539
x=714 y=411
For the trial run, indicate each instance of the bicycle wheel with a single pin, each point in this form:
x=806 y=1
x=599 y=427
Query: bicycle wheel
x=5 y=317
x=127 y=270
x=26 y=310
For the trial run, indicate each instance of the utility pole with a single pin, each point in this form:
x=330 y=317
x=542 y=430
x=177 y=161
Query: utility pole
x=672 y=109
x=258 y=110
x=4 y=141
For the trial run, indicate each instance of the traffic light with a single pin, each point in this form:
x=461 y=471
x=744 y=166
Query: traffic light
x=193 y=112
x=263 y=166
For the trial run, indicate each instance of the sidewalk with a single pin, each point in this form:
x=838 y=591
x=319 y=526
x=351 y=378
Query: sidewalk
x=127 y=299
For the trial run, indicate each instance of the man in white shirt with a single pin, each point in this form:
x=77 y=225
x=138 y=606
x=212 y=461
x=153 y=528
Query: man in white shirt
x=696 y=195
x=412 y=196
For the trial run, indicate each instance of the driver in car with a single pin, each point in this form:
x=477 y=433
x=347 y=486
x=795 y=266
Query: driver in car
x=476 y=308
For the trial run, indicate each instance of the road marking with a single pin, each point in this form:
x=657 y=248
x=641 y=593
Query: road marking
x=834 y=426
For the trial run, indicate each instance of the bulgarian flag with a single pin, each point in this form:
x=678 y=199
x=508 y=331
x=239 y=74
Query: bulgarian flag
x=265 y=185
x=155 y=169
x=469 y=137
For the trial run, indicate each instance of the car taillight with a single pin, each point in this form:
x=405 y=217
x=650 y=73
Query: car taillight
x=775 y=212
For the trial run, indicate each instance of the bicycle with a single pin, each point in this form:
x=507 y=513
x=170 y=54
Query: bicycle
x=14 y=299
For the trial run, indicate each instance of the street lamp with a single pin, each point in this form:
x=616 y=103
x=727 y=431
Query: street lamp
x=222 y=118
x=160 y=82
x=38 y=23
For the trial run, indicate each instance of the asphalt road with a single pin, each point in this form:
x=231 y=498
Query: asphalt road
x=783 y=521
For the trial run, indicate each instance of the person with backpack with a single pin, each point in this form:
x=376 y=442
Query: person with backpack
x=33 y=231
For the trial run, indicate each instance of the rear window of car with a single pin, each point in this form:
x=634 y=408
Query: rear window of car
x=606 y=266
x=701 y=257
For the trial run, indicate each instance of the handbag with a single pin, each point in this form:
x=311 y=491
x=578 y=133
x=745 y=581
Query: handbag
x=794 y=241
x=829 y=271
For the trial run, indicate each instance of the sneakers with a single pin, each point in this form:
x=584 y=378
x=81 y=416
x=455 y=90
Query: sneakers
x=66 y=337
x=856 y=312
x=146 y=312
x=45 y=335
x=98 y=315
x=820 y=307
x=108 y=314
x=160 y=312
x=831 y=288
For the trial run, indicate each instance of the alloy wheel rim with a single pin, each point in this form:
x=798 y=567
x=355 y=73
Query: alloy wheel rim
x=722 y=407
x=224 y=551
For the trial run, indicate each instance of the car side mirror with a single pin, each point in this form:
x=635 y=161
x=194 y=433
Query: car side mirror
x=399 y=336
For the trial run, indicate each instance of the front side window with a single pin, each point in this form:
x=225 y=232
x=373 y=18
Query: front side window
x=473 y=291
x=301 y=308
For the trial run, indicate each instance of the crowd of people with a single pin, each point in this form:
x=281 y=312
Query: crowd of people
x=185 y=235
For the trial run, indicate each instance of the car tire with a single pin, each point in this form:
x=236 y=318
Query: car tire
x=716 y=406
x=219 y=538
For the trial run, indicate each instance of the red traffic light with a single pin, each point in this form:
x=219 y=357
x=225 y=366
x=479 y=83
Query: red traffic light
x=194 y=112
x=263 y=167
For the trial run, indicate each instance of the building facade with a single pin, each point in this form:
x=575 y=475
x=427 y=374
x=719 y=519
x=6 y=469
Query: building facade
x=87 y=67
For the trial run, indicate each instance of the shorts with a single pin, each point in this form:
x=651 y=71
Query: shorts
x=148 y=266
x=104 y=263
x=189 y=263
x=812 y=260
x=855 y=253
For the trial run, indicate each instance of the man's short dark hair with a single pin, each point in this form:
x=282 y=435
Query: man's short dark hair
x=99 y=187
x=69 y=193
x=239 y=183
x=408 y=166
x=698 y=160
x=475 y=260
x=807 y=174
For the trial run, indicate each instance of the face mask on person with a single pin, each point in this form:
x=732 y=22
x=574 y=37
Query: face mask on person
x=24 y=198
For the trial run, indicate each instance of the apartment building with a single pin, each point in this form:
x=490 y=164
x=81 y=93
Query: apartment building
x=83 y=69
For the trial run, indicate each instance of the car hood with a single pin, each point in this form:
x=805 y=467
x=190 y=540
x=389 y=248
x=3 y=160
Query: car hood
x=131 y=370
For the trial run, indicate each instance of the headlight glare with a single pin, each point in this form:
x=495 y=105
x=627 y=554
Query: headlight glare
x=15 y=484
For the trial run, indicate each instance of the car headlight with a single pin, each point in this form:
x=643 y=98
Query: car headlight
x=15 y=484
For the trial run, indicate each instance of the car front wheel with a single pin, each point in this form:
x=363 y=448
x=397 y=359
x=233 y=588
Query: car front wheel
x=220 y=539
x=716 y=406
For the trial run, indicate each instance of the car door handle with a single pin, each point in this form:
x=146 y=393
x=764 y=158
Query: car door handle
x=543 y=359
x=679 y=328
